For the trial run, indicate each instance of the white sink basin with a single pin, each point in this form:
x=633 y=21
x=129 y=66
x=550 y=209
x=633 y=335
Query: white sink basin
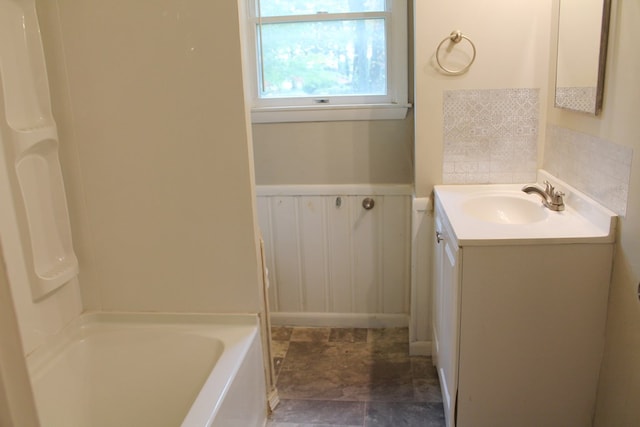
x=499 y=214
x=506 y=208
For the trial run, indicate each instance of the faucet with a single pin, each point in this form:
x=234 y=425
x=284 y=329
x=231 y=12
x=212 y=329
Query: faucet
x=551 y=198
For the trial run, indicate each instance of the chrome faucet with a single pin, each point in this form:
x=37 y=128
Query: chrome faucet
x=551 y=198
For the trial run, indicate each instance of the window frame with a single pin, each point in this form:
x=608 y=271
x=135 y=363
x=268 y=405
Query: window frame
x=393 y=105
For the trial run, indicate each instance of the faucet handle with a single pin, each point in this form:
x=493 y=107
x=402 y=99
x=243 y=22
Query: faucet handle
x=557 y=197
x=548 y=188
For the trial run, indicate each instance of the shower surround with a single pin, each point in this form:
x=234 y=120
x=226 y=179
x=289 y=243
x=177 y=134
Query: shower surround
x=148 y=153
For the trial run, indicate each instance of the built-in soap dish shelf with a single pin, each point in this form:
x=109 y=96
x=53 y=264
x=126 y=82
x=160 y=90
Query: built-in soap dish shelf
x=61 y=271
x=31 y=140
x=47 y=231
x=27 y=138
x=57 y=275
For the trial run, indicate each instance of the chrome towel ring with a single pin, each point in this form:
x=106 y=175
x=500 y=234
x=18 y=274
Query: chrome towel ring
x=456 y=36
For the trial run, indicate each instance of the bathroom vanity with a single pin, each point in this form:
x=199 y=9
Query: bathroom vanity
x=520 y=302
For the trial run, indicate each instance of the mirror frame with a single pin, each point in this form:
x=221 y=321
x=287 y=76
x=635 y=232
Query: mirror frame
x=602 y=61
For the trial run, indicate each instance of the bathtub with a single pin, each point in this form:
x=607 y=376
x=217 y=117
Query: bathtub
x=137 y=370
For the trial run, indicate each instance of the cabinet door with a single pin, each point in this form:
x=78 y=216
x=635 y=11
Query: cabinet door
x=438 y=253
x=447 y=312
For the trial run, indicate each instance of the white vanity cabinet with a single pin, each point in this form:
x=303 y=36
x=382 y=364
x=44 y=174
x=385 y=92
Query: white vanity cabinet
x=518 y=326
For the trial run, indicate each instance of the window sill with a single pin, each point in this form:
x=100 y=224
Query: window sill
x=329 y=113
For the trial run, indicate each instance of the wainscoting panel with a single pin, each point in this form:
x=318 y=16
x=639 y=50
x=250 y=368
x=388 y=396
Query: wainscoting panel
x=329 y=258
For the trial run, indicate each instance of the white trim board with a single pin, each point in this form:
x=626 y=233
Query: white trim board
x=335 y=190
x=341 y=320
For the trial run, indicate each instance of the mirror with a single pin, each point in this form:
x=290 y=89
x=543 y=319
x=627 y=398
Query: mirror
x=583 y=32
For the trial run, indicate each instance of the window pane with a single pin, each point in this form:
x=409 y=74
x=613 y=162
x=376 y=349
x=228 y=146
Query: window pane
x=307 y=7
x=324 y=58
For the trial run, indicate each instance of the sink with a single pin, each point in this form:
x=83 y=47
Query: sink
x=502 y=214
x=505 y=209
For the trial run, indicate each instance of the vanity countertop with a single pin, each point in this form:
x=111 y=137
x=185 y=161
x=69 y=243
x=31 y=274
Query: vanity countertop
x=502 y=214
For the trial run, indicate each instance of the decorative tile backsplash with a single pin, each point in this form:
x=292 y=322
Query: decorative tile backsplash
x=576 y=98
x=599 y=168
x=490 y=136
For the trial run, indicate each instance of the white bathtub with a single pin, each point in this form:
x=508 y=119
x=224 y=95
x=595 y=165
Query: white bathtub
x=138 y=370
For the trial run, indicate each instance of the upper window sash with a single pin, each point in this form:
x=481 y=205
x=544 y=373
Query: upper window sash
x=318 y=8
x=320 y=17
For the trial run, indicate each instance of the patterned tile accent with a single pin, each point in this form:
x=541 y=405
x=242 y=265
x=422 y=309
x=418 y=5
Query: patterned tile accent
x=490 y=136
x=577 y=98
x=596 y=167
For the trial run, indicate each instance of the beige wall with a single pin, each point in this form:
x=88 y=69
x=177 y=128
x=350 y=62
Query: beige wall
x=512 y=42
x=618 y=123
x=360 y=152
x=154 y=148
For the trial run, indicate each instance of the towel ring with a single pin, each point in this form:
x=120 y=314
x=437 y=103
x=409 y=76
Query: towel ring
x=456 y=36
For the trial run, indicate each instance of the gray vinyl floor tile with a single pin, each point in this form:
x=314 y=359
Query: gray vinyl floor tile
x=277 y=424
x=353 y=377
x=404 y=414
x=320 y=412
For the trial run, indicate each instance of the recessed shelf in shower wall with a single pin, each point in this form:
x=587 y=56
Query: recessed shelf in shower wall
x=29 y=137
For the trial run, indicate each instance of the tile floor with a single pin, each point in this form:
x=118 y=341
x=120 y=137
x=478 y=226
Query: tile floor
x=352 y=377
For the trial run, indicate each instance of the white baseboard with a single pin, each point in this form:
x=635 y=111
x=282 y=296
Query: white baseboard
x=342 y=320
x=420 y=348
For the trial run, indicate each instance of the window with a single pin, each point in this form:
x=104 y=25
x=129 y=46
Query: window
x=327 y=59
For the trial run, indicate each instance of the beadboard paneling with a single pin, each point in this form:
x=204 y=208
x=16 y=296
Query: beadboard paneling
x=327 y=254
